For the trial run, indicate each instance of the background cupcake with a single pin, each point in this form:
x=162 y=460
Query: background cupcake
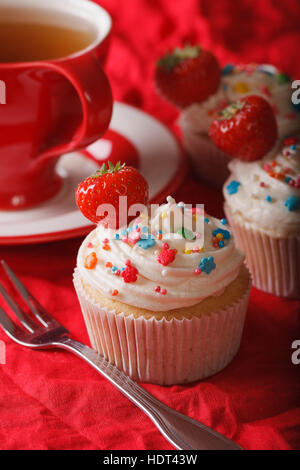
x=166 y=304
x=236 y=82
x=263 y=207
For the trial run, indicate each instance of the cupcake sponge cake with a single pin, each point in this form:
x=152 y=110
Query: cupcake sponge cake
x=164 y=303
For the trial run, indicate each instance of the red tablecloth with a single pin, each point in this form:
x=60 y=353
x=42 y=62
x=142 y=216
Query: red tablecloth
x=52 y=400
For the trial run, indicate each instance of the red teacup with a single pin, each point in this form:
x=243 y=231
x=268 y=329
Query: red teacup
x=50 y=106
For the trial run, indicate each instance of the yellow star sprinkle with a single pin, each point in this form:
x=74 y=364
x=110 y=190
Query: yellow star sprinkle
x=242 y=87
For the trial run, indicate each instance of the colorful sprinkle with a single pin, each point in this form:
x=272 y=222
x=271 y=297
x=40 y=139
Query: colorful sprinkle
x=115 y=292
x=233 y=187
x=269 y=199
x=90 y=261
x=225 y=233
x=166 y=256
x=224 y=221
x=283 y=78
x=134 y=236
x=130 y=273
x=207 y=265
x=197 y=271
x=228 y=69
x=146 y=243
x=292 y=203
x=186 y=234
x=242 y=87
x=163 y=291
x=157 y=289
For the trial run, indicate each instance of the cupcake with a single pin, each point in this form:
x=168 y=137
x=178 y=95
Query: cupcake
x=262 y=204
x=236 y=82
x=164 y=303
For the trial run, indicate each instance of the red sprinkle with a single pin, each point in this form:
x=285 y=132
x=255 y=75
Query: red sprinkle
x=197 y=271
x=157 y=289
x=129 y=274
x=166 y=256
x=115 y=292
x=163 y=291
x=290 y=141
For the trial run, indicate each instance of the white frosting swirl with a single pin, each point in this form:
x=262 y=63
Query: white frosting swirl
x=266 y=193
x=243 y=81
x=197 y=118
x=159 y=287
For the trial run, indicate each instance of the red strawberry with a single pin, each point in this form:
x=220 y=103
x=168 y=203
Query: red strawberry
x=166 y=256
x=187 y=76
x=105 y=187
x=246 y=129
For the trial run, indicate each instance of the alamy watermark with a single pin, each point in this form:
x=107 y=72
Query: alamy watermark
x=296 y=353
x=2 y=353
x=296 y=93
x=2 y=92
x=173 y=221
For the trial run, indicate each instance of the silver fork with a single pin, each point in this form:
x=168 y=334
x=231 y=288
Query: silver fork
x=44 y=332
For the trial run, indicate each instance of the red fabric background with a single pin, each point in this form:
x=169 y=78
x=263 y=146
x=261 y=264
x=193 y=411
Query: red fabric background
x=52 y=400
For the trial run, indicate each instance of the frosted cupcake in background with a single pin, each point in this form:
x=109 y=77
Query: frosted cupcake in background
x=263 y=207
x=236 y=82
x=163 y=302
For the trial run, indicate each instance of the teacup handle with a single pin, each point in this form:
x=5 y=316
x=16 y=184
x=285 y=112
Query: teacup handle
x=89 y=80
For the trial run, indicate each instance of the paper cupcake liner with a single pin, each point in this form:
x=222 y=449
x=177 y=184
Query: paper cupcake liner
x=273 y=262
x=161 y=351
x=209 y=162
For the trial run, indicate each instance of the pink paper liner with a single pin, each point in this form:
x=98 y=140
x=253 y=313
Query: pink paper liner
x=273 y=262
x=161 y=351
x=209 y=162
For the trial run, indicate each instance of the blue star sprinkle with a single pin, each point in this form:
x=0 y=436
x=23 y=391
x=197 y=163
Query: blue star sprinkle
x=207 y=265
x=225 y=233
x=228 y=69
x=292 y=203
x=233 y=187
x=146 y=243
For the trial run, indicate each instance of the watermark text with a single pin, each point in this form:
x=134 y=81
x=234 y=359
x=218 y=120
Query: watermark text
x=2 y=92
x=296 y=93
x=296 y=353
x=2 y=352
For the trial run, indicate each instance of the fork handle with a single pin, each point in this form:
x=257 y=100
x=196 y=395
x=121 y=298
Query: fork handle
x=182 y=432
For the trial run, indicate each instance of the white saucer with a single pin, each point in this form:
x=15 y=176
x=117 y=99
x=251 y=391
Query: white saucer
x=160 y=161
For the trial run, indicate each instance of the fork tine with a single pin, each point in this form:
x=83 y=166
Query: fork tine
x=10 y=327
x=35 y=307
x=24 y=319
